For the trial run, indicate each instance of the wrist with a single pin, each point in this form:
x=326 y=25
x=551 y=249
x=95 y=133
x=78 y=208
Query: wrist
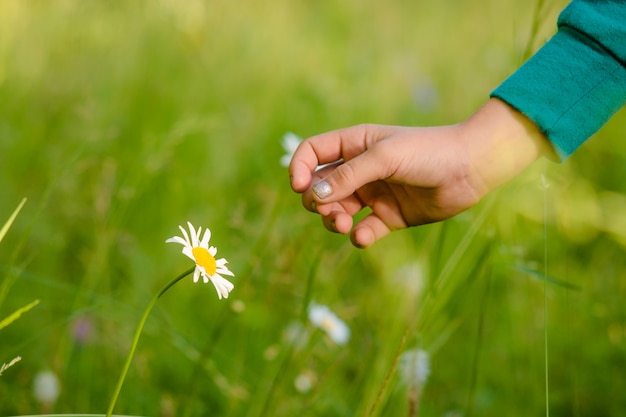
x=500 y=143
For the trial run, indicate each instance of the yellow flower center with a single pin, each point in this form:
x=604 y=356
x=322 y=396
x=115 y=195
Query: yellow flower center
x=204 y=259
x=327 y=324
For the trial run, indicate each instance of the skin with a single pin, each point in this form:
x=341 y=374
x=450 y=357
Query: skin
x=409 y=176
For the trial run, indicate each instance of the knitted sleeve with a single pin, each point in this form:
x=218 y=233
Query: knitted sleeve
x=575 y=83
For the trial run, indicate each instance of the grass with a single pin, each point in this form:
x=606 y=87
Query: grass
x=121 y=120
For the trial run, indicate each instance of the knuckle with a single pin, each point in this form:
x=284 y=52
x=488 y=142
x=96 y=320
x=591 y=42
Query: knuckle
x=344 y=174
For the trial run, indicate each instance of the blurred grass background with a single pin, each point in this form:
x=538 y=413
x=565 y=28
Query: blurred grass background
x=121 y=120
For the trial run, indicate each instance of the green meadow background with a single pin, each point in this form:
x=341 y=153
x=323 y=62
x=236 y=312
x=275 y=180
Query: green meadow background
x=120 y=121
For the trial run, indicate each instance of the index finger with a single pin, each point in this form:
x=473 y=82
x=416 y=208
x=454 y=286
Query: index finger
x=328 y=148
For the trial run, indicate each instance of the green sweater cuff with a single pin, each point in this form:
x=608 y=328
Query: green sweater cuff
x=570 y=88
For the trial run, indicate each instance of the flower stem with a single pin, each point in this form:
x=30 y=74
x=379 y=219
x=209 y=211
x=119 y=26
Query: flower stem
x=133 y=347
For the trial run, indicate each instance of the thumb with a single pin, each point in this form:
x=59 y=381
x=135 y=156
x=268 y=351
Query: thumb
x=351 y=175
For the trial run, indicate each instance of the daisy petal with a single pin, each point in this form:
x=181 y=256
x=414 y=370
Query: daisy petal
x=193 y=233
x=184 y=232
x=222 y=285
x=176 y=239
x=205 y=239
x=196 y=275
x=225 y=271
x=187 y=252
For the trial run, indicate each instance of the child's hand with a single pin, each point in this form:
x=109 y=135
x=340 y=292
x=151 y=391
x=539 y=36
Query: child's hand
x=410 y=176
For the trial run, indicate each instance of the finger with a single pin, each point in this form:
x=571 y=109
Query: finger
x=307 y=158
x=338 y=222
x=369 y=230
x=368 y=167
x=350 y=205
x=328 y=148
x=300 y=175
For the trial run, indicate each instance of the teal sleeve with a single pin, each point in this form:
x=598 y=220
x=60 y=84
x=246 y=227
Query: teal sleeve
x=575 y=83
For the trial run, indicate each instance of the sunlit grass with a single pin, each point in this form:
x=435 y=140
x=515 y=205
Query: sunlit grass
x=119 y=121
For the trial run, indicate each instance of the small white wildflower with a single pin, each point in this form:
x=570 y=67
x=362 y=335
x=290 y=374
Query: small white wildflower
x=305 y=381
x=415 y=366
x=409 y=278
x=46 y=387
x=322 y=317
x=290 y=143
x=199 y=251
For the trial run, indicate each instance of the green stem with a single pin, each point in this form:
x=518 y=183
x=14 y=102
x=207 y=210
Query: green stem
x=545 y=291
x=133 y=347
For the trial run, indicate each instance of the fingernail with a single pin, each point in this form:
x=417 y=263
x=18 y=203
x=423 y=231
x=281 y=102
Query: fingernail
x=322 y=189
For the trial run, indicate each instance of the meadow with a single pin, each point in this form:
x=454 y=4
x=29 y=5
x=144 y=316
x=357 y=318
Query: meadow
x=120 y=121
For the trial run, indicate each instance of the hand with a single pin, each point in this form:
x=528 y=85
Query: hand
x=410 y=176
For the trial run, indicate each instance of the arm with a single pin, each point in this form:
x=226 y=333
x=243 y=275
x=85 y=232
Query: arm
x=576 y=81
x=410 y=176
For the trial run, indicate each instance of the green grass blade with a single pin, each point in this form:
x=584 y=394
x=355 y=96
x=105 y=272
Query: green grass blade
x=7 y=225
x=16 y=315
x=542 y=276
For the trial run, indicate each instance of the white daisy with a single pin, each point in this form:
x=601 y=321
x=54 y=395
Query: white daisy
x=291 y=141
x=203 y=255
x=46 y=387
x=322 y=317
x=305 y=381
x=415 y=366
